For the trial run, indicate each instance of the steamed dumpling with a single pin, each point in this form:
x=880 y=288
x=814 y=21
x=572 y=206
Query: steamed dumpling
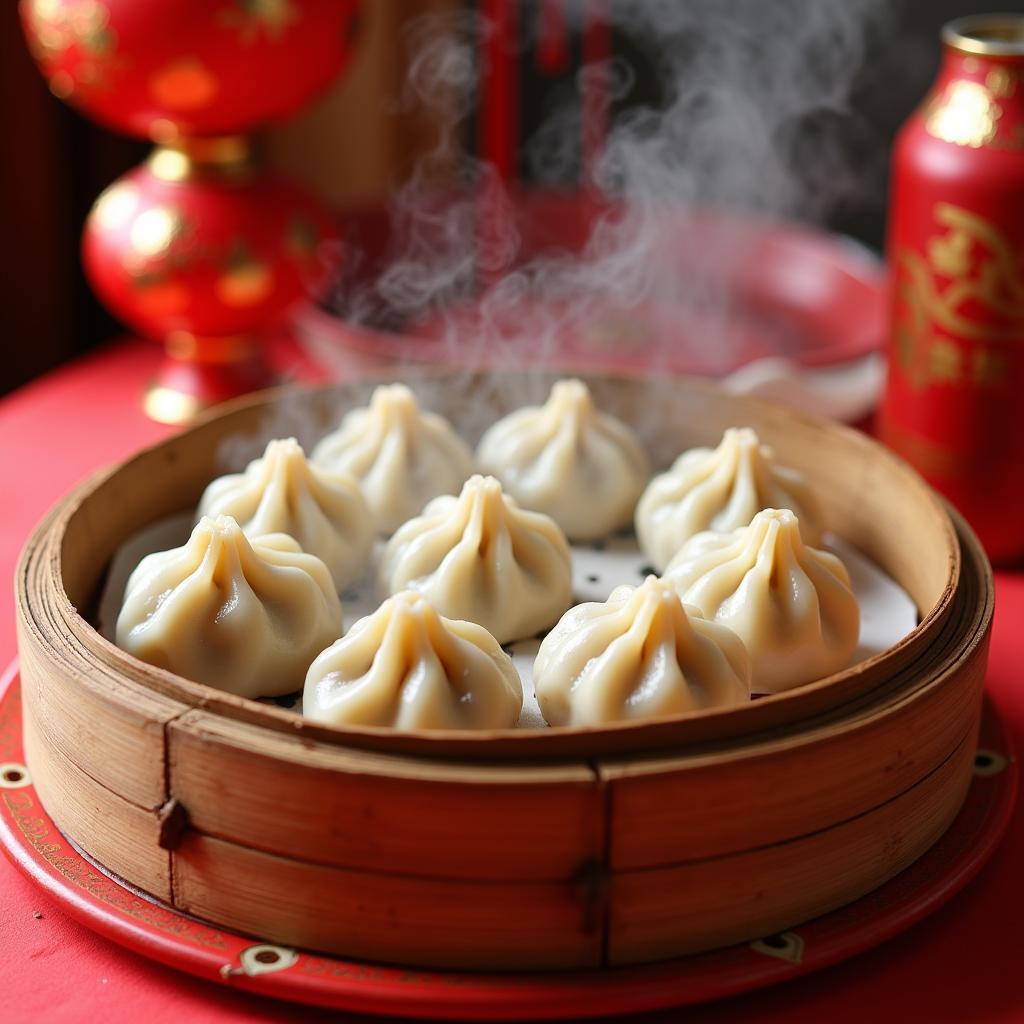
x=791 y=604
x=407 y=667
x=245 y=616
x=284 y=493
x=720 y=489
x=640 y=654
x=401 y=455
x=566 y=459
x=482 y=558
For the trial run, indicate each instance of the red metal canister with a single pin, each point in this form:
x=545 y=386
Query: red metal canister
x=954 y=404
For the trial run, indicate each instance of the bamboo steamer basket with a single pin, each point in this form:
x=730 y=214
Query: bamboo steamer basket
x=557 y=848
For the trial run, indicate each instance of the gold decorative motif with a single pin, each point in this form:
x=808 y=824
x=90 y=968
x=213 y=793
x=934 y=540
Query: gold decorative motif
x=54 y=28
x=1001 y=82
x=253 y=18
x=966 y=114
x=159 y=294
x=184 y=84
x=247 y=281
x=969 y=268
x=945 y=361
x=51 y=848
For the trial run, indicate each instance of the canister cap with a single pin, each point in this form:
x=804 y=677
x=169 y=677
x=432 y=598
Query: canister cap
x=992 y=35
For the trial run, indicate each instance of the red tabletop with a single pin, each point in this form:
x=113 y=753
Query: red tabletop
x=962 y=964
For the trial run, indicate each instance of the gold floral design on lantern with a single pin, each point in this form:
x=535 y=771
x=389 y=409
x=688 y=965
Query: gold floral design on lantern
x=154 y=251
x=246 y=281
x=55 y=28
x=160 y=294
x=958 y=303
x=965 y=114
x=183 y=84
x=254 y=18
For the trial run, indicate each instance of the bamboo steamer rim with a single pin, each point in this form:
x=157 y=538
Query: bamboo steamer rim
x=790 y=710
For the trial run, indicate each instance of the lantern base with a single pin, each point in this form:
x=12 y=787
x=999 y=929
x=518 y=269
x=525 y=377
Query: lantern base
x=194 y=377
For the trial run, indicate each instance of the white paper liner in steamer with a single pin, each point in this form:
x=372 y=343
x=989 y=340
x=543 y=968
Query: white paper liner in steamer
x=887 y=614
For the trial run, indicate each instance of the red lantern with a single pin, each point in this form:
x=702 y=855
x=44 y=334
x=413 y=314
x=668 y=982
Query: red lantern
x=209 y=247
x=164 y=68
x=195 y=247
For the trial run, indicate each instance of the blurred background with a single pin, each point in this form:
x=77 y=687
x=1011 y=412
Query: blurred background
x=363 y=139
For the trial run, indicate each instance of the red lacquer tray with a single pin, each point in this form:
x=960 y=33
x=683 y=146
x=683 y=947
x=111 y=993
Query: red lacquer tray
x=745 y=287
x=120 y=913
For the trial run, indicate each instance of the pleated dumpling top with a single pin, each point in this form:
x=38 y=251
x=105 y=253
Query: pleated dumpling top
x=569 y=460
x=407 y=667
x=720 y=489
x=401 y=455
x=481 y=557
x=791 y=604
x=640 y=654
x=245 y=616
x=282 y=492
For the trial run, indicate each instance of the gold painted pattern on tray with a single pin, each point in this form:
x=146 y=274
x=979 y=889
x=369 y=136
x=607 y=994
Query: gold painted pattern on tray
x=50 y=846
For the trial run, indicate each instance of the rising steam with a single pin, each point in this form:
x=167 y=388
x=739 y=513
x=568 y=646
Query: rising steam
x=754 y=113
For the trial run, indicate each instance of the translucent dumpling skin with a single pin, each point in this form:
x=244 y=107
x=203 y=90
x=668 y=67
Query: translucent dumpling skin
x=640 y=654
x=401 y=455
x=566 y=459
x=407 y=667
x=720 y=489
x=242 y=616
x=791 y=604
x=282 y=492
x=482 y=558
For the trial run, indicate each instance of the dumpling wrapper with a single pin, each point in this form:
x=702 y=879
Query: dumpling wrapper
x=407 y=667
x=791 y=604
x=282 y=492
x=641 y=654
x=245 y=616
x=482 y=558
x=720 y=489
x=566 y=459
x=401 y=455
